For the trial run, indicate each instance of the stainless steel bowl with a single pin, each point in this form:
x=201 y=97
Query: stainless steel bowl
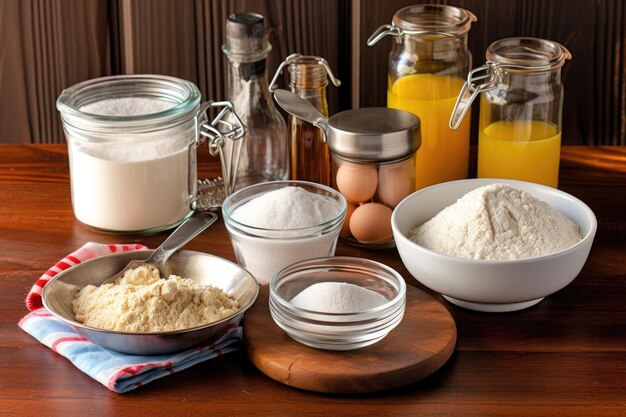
x=201 y=267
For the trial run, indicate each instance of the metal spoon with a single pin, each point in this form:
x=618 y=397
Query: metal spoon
x=299 y=107
x=187 y=230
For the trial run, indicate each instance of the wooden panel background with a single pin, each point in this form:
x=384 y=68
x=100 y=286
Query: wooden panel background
x=184 y=38
x=47 y=45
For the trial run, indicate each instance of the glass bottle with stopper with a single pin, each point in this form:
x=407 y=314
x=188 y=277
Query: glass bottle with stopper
x=309 y=155
x=264 y=156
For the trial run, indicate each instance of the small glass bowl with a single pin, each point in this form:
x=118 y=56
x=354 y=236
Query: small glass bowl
x=264 y=252
x=337 y=331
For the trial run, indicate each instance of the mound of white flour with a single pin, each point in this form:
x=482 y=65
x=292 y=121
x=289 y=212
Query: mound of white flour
x=497 y=222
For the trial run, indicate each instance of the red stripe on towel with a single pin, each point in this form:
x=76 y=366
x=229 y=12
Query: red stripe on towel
x=60 y=340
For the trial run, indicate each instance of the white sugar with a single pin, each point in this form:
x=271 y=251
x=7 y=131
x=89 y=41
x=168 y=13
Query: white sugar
x=286 y=217
x=286 y=208
x=127 y=106
x=338 y=297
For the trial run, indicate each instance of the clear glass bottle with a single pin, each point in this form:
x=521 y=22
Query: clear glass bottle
x=520 y=117
x=264 y=156
x=428 y=64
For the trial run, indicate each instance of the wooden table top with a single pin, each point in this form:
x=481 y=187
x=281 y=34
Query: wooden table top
x=565 y=356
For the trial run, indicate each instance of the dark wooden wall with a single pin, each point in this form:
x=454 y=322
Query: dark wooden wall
x=594 y=110
x=47 y=45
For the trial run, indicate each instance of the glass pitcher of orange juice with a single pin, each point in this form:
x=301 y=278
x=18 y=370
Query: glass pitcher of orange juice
x=520 y=109
x=428 y=64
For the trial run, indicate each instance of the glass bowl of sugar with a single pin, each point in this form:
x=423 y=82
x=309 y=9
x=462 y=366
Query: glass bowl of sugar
x=275 y=224
x=337 y=303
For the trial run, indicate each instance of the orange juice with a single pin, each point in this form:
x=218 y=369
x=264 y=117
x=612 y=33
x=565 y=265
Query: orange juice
x=443 y=155
x=526 y=150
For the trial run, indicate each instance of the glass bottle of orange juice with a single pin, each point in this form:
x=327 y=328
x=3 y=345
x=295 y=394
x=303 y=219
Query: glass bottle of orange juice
x=520 y=110
x=428 y=64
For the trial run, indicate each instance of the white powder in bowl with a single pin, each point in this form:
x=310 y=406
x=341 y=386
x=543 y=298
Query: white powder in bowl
x=141 y=302
x=497 y=222
x=338 y=297
x=288 y=216
x=286 y=208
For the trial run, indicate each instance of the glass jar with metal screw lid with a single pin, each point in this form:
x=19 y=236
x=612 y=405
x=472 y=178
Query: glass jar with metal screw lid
x=373 y=163
x=520 y=109
x=373 y=166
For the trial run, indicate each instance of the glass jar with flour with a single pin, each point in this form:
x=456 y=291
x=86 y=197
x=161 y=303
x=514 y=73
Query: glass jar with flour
x=132 y=143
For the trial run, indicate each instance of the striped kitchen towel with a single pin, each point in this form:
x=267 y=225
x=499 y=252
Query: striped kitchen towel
x=117 y=371
x=87 y=252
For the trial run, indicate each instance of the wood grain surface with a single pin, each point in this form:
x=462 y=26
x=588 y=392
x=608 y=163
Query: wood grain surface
x=417 y=347
x=565 y=356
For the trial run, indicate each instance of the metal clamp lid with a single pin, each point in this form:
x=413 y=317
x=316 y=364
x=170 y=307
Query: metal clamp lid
x=521 y=54
x=224 y=136
x=398 y=32
x=422 y=20
x=480 y=80
x=293 y=59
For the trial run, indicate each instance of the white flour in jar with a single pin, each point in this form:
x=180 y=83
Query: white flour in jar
x=497 y=222
x=284 y=209
x=127 y=106
x=124 y=195
x=338 y=297
x=131 y=184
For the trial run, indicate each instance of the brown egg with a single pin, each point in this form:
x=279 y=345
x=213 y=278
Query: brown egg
x=345 y=228
x=371 y=223
x=395 y=182
x=357 y=182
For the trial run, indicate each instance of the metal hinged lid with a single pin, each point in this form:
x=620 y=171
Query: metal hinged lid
x=430 y=20
x=521 y=55
x=374 y=134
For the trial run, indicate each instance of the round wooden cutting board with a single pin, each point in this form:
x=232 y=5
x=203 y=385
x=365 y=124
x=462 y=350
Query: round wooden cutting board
x=417 y=347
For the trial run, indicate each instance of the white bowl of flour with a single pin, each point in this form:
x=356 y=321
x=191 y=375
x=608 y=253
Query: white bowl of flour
x=275 y=224
x=493 y=245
